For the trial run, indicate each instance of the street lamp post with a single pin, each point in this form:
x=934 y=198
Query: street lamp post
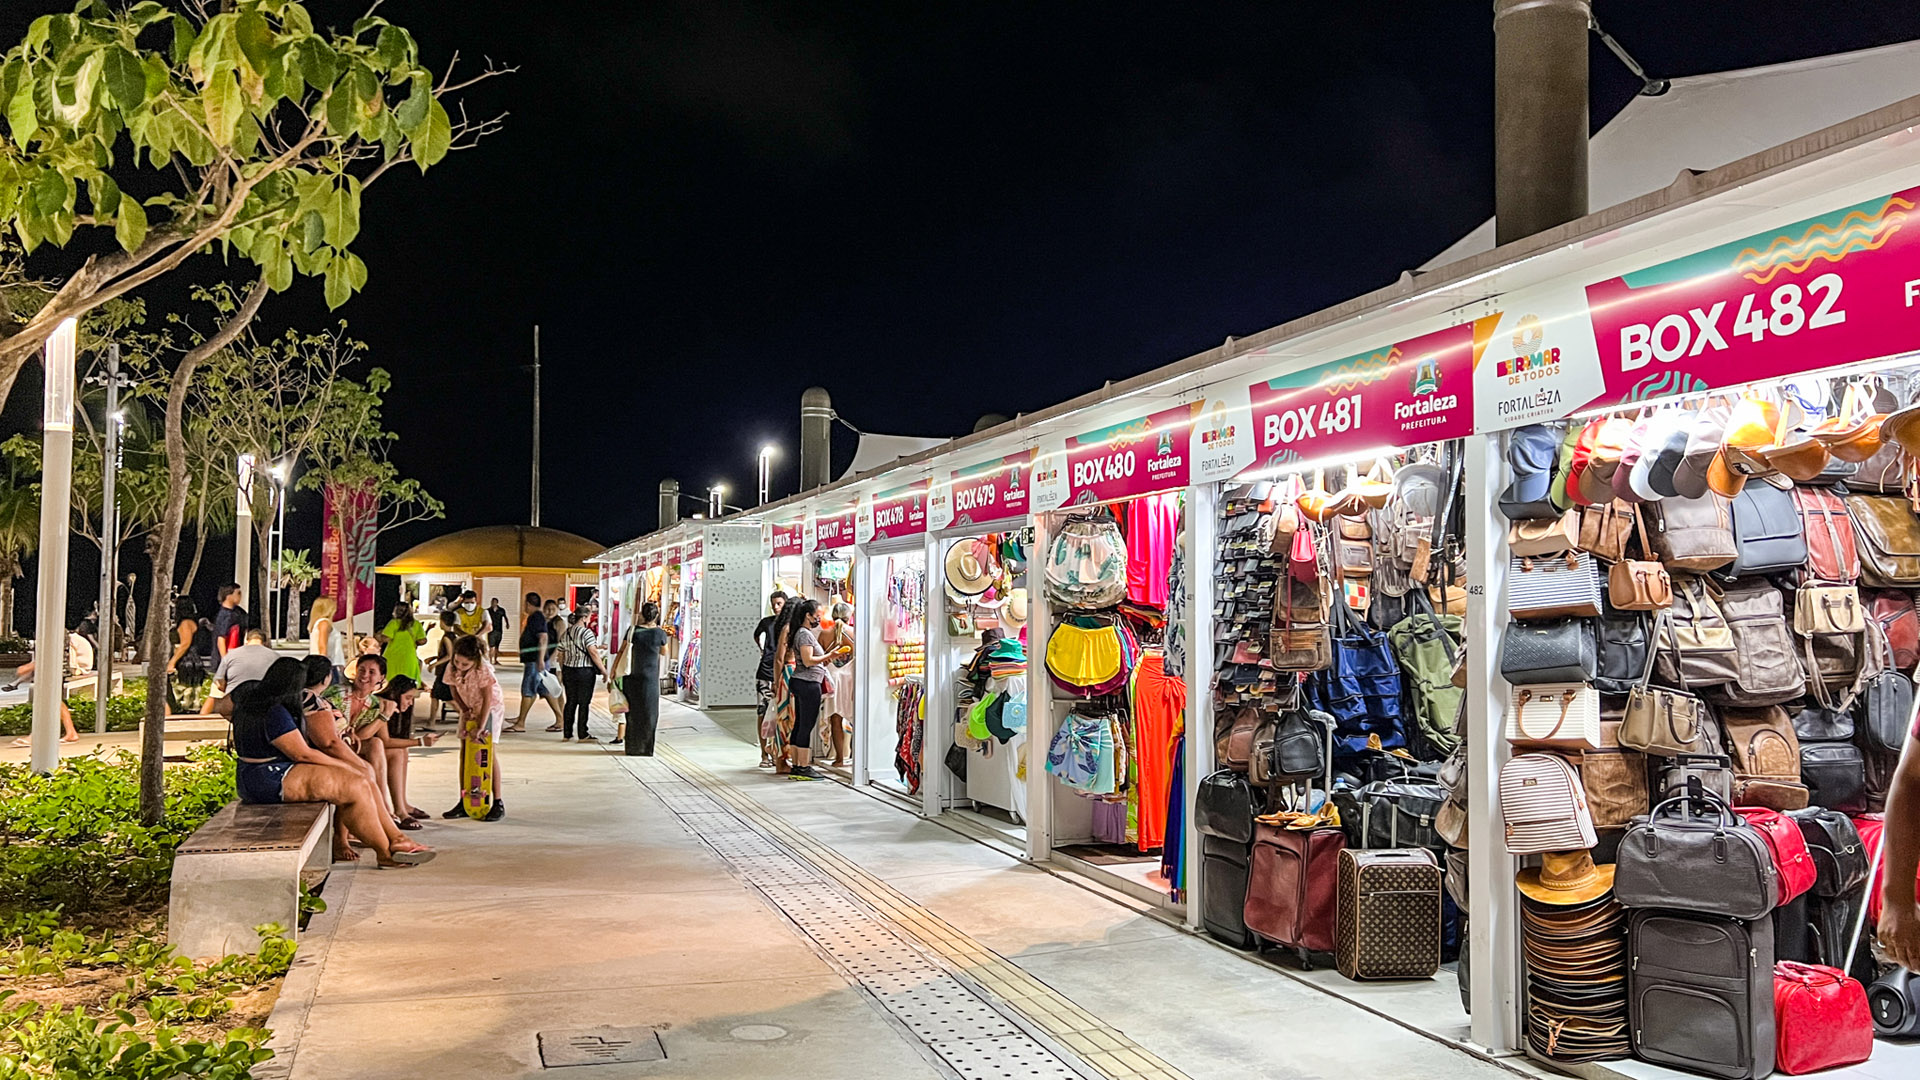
x=766 y=470
x=717 y=500
x=56 y=493
x=243 y=531
x=109 y=542
x=279 y=550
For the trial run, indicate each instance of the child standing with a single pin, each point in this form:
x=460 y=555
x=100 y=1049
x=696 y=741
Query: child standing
x=476 y=694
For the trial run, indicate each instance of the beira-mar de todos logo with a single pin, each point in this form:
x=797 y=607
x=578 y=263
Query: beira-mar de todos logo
x=1529 y=349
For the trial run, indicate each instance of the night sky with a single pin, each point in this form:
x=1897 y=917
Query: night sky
x=935 y=210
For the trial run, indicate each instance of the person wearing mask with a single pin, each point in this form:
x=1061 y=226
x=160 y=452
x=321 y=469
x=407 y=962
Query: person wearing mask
x=640 y=658
x=763 y=636
x=482 y=708
x=579 y=657
x=230 y=622
x=496 y=629
x=277 y=765
x=467 y=614
x=836 y=704
x=192 y=661
x=322 y=640
x=809 y=673
x=1899 y=928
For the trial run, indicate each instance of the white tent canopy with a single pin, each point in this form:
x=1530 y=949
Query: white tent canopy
x=877 y=450
x=1706 y=121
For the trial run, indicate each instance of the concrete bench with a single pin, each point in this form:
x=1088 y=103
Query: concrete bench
x=244 y=867
x=89 y=680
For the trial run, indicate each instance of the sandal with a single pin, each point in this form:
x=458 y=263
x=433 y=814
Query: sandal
x=429 y=738
x=417 y=814
x=405 y=859
x=555 y=727
x=408 y=823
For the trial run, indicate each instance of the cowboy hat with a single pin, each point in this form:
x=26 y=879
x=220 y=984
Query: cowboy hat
x=1565 y=877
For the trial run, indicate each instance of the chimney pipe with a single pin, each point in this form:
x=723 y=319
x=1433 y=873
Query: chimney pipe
x=1539 y=114
x=816 y=438
x=669 y=503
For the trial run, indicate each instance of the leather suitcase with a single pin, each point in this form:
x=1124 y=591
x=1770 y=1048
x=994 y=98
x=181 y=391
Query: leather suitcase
x=1223 y=875
x=1389 y=914
x=1295 y=874
x=1700 y=993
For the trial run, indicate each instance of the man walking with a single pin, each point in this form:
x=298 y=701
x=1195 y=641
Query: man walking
x=230 y=622
x=534 y=646
x=497 y=628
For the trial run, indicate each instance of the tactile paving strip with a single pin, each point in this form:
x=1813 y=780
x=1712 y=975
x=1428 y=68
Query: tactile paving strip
x=964 y=1028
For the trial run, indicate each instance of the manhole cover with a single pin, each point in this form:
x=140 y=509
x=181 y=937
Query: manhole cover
x=599 y=1046
x=758 y=1032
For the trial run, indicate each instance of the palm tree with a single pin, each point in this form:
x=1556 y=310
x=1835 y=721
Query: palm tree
x=295 y=573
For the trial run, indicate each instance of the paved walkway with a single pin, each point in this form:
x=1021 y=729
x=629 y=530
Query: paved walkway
x=768 y=928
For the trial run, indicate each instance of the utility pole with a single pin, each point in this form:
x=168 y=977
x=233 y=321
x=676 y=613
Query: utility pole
x=1539 y=114
x=109 y=543
x=56 y=495
x=536 y=426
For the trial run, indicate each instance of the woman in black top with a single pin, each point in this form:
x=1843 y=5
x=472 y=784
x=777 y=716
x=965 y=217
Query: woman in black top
x=641 y=653
x=277 y=764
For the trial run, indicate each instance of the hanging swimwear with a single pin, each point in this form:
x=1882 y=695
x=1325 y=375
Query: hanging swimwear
x=1087 y=567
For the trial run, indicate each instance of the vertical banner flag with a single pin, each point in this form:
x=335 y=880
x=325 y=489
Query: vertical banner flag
x=347 y=546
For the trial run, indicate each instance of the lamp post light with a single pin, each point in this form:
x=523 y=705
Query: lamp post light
x=716 y=500
x=277 y=551
x=109 y=541
x=767 y=454
x=56 y=493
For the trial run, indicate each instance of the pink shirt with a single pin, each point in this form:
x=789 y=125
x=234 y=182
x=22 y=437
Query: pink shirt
x=478 y=684
x=1153 y=522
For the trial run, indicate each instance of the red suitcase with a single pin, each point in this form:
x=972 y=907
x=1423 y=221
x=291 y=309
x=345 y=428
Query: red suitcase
x=1294 y=884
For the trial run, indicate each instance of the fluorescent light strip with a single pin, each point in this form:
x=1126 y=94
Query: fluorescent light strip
x=1292 y=467
x=1849 y=371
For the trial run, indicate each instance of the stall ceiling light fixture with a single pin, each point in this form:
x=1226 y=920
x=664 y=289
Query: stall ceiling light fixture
x=1292 y=467
x=1845 y=371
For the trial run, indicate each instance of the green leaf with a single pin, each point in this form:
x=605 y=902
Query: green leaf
x=255 y=38
x=49 y=193
x=183 y=35
x=395 y=48
x=21 y=114
x=412 y=113
x=339 y=289
x=295 y=20
x=343 y=216
x=126 y=77
x=342 y=114
x=277 y=266
x=313 y=230
x=224 y=105
x=318 y=63
x=146 y=13
x=105 y=195
x=37 y=32
x=436 y=140
x=130 y=227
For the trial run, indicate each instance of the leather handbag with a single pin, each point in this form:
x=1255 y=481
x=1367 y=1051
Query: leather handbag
x=1888 y=537
x=1839 y=858
x=1835 y=775
x=1831 y=552
x=1767 y=535
x=1353 y=546
x=1303 y=556
x=1893 y=612
x=1699 y=651
x=1658 y=720
x=1562 y=716
x=1767 y=666
x=1828 y=609
x=1554 y=588
x=1225 y=807
x=1603 y=529
x=1299 y=647
x=1707 y=862
x=1886 y=713
x=1820 y=1018
x=1623 y=644
x=1693 y=534
x=1792 y=862
x=1293 y=746
x=1533 y=538
x=1615 y=779
x=1235 y=748
x=1543 y=805
x=1556 y=651
x=1814 y=722
x=1392 y=814
x=1639 y=584
x=1766 y=758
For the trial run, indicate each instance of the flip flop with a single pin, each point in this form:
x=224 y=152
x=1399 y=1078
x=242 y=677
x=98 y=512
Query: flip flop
x=413 y=858
x=408 y=823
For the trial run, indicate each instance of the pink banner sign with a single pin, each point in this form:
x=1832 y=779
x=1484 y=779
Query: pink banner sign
x=786 y=539
x=1835 y=289
x=1410 y=392
x=694 y=550
x=1138 y=457
x=347 y=548
x=835 y=531
x=994 y=491
x=902 y=512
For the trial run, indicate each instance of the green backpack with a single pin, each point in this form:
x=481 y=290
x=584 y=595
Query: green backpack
x=1426 y=644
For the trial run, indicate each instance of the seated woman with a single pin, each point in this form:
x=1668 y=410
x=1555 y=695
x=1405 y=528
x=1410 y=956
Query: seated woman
x=371 y=712
x=277 y=764
x=326 y=730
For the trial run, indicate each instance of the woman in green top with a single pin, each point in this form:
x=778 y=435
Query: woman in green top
x=402 y=637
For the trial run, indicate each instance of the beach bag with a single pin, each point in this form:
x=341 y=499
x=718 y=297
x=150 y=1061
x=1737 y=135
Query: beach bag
x=1087 y=566
x=1360 y=689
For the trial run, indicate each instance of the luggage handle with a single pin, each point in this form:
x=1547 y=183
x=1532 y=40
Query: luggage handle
x=1697 y=792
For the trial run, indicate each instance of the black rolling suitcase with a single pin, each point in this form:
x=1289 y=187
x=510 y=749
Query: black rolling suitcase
x=1224 y=808
x=1700 y=992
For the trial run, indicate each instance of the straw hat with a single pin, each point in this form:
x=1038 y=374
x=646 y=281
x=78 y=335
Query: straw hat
x=967 y=573
x=1903 y=427
x=1565 y=877
x=1016 y=613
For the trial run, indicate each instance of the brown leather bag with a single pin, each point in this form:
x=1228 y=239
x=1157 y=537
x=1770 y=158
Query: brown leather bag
x=1300 y=647
x=1889 y=540
x=1657 y=720
x=1533 y=537
x=1603 y=529
x=1353 y=547
x=1766 y=758
x=1639 y=584
x=1832 y=554
x=1615 y=777
x=1702 y=651
x=1899 y=624
x=1768 y=663
x=1693 y=534
x=1234 y=748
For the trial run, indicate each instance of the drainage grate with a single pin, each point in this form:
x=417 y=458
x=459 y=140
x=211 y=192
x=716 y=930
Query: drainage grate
x=961 y=1026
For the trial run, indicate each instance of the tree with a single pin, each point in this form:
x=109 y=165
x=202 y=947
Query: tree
x=19 y=522
x=294 y=572
x=350 y=454
x=181 y=129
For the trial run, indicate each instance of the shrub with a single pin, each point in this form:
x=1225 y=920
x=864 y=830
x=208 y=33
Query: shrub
x=73 y=838
x=124 y=710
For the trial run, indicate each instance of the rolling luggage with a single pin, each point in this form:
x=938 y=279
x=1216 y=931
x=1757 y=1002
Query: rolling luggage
x=1700 y=993
x=1295 y=872
x=1223 y=871
x=1388 y=926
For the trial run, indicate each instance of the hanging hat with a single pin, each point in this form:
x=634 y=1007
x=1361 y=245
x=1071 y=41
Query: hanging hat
x=967 y=573
x=1565 y=877
x=1631 y=454
x=1903 y=427
x=1703 y=449
x=1016 y=613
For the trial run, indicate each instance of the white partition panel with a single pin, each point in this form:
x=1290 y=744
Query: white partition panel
x=730 y=606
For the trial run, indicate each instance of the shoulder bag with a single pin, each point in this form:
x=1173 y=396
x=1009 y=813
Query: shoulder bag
x=1563 y=586
x=1537 y=537
x=1701 y=644
x=1766 y=758
x=1640 y=584
x=1767 y=536
x=1603 y=529
x=1299 y=640
x=1543 y=805
x=1886 y=708
x=1658 y=720
x=1564 y=716
x=1235 y=748
x=1888 y=538
x=1767 y=665
x=1893 y=614
x=1831 y=553
x=1711 y=863
x=1623 y=642
x=1693 y=534
x=1615 y=778
x=1353 y=546
x=1291 y=746
x=1556 y=651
